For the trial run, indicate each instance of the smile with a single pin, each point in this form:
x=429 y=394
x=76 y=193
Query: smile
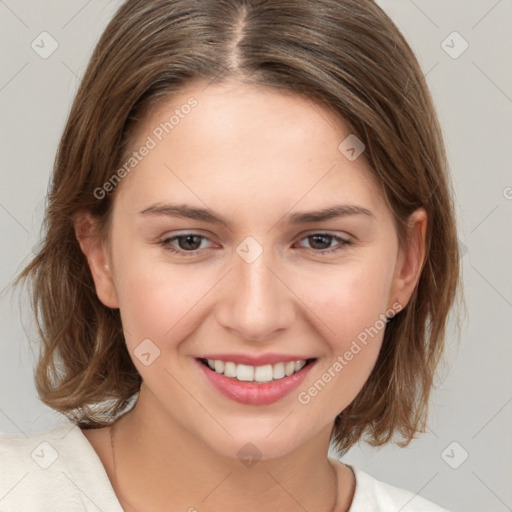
x=255 y=385
x=247 y=373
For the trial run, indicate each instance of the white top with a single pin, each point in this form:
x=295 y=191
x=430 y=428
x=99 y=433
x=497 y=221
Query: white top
x=59 y=471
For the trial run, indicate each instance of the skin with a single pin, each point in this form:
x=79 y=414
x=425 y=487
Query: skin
x=252 y=155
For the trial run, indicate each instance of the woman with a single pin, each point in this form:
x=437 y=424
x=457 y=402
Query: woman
x=240 y=237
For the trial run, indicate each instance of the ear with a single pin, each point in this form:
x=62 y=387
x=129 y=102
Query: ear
x=95 y=250
x=410 y=259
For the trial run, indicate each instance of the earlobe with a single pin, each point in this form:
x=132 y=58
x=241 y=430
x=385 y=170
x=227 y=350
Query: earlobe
x=95 y=250
x=412 y=258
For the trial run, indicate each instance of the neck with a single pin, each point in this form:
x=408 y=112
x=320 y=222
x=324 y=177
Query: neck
x=158 y=465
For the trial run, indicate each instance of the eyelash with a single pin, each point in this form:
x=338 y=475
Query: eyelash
x=166 y=243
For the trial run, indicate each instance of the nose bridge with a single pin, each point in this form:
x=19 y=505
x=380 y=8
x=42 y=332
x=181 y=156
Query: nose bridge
x=259 y=303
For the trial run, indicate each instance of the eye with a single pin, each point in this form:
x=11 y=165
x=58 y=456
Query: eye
x=321 y=241
x=189 y=243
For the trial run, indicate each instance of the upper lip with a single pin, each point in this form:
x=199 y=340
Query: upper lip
x=253 y=360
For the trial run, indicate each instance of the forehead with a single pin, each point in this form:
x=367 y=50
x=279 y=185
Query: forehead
x=243 y=145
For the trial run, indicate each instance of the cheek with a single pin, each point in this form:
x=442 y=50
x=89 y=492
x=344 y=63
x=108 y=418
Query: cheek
x=350 y=305
x=347 y=298
x=162 y=307
x=155 y=298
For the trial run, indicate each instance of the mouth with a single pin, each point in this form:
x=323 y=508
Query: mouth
x=255 y=385
x=257 y=374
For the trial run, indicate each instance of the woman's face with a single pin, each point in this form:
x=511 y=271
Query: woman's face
x=269 y=282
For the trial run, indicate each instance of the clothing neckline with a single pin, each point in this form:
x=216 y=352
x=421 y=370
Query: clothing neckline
x=91 y=472
x=102 y=490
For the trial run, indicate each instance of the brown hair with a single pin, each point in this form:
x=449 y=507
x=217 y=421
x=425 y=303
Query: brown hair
x=345 y=54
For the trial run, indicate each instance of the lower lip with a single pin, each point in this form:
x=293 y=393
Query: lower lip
x=252 y=393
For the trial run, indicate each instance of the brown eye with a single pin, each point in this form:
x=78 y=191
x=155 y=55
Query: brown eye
x=188 y=244
x=319 y=242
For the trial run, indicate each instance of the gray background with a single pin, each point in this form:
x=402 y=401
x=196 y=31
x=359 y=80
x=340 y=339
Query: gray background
x=473 y=94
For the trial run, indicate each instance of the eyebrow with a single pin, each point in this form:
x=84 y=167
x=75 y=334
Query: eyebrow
x=205 y=215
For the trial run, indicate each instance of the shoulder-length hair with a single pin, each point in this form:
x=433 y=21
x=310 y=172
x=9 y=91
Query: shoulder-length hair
x=345 y=54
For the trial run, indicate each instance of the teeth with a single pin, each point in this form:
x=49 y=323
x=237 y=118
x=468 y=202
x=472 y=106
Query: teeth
x=230 y=369
x=265 y=373
x=244 y=372
x=278 y=371
x=289 y=368
x=299 y=365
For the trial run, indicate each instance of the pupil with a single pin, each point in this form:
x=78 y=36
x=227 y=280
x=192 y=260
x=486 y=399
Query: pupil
x=188 y=238
x=316 y=237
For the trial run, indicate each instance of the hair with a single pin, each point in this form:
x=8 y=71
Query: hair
x=344 y=54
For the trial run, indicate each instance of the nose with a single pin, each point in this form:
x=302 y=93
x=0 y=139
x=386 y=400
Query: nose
x=256 y=301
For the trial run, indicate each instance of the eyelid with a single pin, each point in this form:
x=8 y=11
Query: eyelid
x=340 y=234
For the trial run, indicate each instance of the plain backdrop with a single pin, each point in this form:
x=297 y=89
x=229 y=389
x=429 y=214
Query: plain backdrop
x=464 y=462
